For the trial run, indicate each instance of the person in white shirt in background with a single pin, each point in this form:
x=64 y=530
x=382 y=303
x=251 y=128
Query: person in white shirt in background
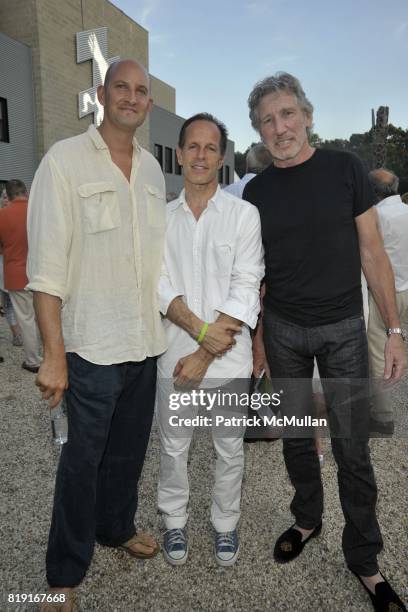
x=209 y=294
x=393 y=219
x=96 y=228
x=257 y=159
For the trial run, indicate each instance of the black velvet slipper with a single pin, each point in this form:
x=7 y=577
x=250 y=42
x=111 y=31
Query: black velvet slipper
x=385 y=598
x=289 y=545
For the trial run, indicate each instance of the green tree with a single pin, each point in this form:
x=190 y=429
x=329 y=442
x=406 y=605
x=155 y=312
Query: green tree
x=240 y=160
x=361 y=145
x=397 y=151
x=240 y=163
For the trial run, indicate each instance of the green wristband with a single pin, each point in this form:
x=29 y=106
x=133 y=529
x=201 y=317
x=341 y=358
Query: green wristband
x=202 y=333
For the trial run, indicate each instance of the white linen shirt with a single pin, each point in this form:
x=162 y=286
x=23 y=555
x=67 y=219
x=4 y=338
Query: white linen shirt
x=96 y=241
x=216 y=265
x=393 y=217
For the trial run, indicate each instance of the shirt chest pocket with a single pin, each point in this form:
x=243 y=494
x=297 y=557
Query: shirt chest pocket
x=156 y=208
x=221 y=258
x=100 y=207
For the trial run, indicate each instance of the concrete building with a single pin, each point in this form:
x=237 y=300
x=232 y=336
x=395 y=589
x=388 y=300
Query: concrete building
x=53 y=57
x=18 y=147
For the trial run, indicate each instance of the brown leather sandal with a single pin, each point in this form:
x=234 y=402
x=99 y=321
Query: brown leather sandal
x=140 y=538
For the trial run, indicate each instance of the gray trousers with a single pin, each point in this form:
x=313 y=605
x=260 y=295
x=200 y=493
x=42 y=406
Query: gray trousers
x=24 y=310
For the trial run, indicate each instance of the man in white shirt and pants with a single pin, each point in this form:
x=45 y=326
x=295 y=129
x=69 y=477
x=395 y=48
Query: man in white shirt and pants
x=393 y=218
x=209 y=293
x=96 y=227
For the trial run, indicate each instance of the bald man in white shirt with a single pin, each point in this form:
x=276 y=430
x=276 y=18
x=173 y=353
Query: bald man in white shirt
x=96 y=235
x=209 y=293
x=257 y=160
x=393 y=219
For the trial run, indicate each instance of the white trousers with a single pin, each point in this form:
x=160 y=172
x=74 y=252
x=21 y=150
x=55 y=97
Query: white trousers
x=24 y=310
x=173 y=487
x=381 y=409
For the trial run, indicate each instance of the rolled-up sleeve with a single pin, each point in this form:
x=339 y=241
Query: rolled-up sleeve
x=49 y=228
x=243 y=302
x=166 y=291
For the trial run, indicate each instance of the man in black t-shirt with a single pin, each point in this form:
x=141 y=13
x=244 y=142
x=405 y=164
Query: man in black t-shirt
x=317 y=219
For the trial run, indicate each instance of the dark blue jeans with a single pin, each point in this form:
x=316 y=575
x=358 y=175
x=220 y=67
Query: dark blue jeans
x=110 y=411
x=341 y=353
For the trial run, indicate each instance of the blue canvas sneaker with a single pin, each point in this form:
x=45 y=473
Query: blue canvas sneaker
x=226 y=547
x=175 y=546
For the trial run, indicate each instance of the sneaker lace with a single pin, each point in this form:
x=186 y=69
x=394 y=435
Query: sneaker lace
x=225 y=540
x=175 y=536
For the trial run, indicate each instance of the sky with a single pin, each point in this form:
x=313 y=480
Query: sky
x=350 y=56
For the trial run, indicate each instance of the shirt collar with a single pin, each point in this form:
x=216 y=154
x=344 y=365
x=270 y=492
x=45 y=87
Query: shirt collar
x=99 y=142
x=394 y=199
x=213 y=202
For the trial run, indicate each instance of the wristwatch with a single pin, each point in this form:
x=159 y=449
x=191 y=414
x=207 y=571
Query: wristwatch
x=397 y=330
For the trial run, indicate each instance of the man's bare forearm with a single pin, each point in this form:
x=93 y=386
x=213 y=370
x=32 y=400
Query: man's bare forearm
x=180 y=314
x=376 y=267
x=380 y=279
x=52 y=378
x=219 y=336
x=48 y=313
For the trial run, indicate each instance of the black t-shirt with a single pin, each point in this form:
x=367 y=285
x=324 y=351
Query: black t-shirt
x=312 y=257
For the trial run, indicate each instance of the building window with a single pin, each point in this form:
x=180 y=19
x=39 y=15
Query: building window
x=177 y=167
x=168 y=160
x=220 y=176
x=227 y=175
x=4 y=127
x=158 y=153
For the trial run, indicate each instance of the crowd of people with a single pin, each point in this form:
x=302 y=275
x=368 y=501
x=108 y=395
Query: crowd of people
x=133 y=294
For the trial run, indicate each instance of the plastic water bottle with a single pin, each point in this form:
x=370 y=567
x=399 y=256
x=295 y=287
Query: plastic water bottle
x=59 y=423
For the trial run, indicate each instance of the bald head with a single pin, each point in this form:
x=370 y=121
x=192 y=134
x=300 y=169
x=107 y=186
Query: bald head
x=110 y=73
x=258 y=158
x=384 y=182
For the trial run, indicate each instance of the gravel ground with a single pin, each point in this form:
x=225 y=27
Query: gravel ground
x=317 y=581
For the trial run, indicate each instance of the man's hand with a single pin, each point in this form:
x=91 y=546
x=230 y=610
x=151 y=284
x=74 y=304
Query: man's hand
x=190 y=370
x=52 y=379
x=219 y=337
x=260 y=362
x=395 y=356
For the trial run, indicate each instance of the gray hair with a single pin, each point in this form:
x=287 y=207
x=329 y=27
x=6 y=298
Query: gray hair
x=258 y=158
x=384 y=182
x=281 y=81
